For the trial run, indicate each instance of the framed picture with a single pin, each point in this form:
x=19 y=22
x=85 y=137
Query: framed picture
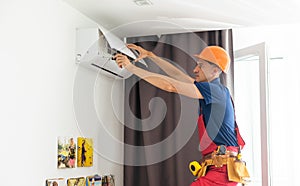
x=80 y=181
x=55 y=182
x=66 y=152
x=108 y=180
x=85 y=152
x=94 y=180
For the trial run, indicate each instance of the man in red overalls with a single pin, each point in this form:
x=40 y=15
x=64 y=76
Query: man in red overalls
x=216 y=121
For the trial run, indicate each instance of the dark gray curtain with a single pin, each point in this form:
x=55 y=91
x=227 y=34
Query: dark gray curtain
x=157 y=148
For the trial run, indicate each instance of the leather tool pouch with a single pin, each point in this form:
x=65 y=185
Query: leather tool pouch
x=237 y=171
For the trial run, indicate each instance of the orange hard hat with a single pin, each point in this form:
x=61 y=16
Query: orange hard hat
x=216 y=55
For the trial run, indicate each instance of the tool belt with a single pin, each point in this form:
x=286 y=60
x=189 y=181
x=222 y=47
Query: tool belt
x=236 y=168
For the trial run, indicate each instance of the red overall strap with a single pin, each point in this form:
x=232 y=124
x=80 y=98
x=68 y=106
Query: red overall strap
x=240 y=140
x=206 y=144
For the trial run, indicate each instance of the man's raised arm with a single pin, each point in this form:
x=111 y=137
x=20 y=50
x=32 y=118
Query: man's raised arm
x=160 y=81
x=166 y=66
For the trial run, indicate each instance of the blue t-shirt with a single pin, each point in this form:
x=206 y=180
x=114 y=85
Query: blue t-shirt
x=218 y=113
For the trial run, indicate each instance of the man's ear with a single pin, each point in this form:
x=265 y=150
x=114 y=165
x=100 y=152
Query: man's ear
x=216 y=71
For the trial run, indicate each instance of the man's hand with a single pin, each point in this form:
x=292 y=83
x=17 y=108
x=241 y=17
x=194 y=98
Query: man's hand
x=121 y=60
x=142 y=52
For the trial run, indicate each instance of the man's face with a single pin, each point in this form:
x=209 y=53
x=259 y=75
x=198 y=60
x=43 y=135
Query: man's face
x=203 y=70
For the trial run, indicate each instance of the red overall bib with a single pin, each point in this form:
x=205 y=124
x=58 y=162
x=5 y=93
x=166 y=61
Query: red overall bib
x=215 y=175
x=207 y=145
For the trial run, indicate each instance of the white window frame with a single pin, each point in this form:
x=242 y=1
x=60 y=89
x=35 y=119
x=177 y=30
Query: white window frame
x=260 y=50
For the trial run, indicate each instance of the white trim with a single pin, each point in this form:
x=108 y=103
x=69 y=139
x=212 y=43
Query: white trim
x=261 y=51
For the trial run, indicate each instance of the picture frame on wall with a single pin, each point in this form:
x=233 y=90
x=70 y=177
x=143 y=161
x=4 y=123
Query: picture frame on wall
x=94 y=180
x=80 y=181
x=55 y=182
x=66 y=152
x=85 y=152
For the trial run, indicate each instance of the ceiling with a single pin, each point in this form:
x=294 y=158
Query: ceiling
x=126 y=18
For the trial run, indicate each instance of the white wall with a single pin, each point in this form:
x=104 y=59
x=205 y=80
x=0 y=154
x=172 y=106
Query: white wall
x=282 y=40
x=38 y=76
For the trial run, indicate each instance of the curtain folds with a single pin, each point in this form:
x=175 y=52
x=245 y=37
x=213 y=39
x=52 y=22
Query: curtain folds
x=160 y=133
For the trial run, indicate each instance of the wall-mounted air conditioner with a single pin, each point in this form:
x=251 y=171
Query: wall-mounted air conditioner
x=95 y=48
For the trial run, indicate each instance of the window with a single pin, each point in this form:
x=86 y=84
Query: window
x=250 y=96
x=267 y=105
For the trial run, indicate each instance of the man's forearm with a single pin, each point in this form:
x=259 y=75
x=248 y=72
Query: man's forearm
x=170 y=69
x=165 y=83
x=158 y=80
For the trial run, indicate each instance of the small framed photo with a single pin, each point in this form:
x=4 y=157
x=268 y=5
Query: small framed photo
x=66 y=152
x=55 y=182
x=80 y=181
x=85 y=152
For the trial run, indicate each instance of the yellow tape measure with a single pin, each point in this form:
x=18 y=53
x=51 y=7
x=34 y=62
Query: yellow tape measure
x=194 y=167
